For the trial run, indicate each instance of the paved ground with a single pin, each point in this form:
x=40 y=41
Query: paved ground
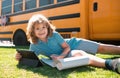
x=6 y=43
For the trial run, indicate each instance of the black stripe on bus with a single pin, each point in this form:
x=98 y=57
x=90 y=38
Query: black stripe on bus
x=65 y=16
x=19 y=22
x=47 y=7
x=8 y=32
x=50 y=18
x=5 y=39
x=68 y=30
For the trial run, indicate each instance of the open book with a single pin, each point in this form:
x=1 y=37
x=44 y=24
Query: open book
x=66 y=63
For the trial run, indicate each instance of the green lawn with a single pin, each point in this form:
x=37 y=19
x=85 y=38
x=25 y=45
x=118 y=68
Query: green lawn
x=10 y=69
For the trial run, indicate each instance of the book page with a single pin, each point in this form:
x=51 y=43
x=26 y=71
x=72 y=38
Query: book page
x=72 y=62
x=48 y=62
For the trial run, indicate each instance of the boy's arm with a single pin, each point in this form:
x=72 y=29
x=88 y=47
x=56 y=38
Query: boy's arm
x=66 y=50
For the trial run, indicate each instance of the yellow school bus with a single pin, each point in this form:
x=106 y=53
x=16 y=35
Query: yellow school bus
x=90 y=19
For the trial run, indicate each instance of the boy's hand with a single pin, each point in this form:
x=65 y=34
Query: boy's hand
x=56 y=57
x=18 y=56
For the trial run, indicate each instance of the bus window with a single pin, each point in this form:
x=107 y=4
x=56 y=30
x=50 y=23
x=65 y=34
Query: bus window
x=29 y=4
x=6 y=6
x=45 y=2
x=18 y=5
x=61 y=0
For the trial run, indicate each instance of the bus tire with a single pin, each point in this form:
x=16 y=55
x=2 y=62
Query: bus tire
x=20 y=39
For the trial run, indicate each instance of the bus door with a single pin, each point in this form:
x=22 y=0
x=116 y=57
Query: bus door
x=104 y=19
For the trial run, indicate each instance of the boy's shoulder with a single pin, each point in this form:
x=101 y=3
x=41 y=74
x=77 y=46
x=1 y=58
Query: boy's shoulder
x=55 y=33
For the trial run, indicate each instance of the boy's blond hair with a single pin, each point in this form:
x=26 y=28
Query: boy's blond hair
x=38 y=19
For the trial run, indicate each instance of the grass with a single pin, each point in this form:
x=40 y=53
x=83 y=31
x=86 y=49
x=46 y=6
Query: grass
x=9 y=68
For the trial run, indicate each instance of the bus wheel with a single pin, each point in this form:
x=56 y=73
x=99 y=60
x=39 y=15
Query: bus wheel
x=20 y=39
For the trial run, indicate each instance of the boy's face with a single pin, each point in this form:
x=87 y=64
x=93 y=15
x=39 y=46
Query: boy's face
x=41 y=31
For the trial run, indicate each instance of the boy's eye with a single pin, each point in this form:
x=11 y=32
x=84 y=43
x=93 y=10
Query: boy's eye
x=37 y=28
x=44 y=27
